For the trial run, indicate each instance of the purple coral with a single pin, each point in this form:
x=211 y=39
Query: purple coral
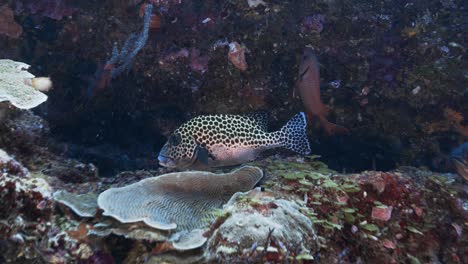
x=312 y=23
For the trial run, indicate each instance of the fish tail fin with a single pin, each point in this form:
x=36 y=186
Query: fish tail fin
x=333 y=129
x=293 y=135
x=326 y=110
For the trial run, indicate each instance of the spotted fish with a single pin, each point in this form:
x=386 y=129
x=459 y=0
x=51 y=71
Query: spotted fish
x=224 y=140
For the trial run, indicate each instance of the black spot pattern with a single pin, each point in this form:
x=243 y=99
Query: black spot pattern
x=236 y=130
x=293 y=135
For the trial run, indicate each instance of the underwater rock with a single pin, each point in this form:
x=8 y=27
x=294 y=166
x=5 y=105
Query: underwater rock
x=70 y=170
x=84 y=205
x=255 y=219
x=307 y=213
x=55 y=9
x=13 y=87
x=312 y=23
x=11 y=166
x=255 y=3
x=22 y=128
x=8 y=26
x=236 y=56
x=198 y=62
x=182 y=200
x=179 y=258
x=26 y=211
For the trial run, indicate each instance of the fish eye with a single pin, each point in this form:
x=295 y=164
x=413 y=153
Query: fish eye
x=175 y=139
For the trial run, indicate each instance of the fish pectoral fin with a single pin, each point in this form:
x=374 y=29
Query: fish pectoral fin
x=202 y=155
x=301 y=75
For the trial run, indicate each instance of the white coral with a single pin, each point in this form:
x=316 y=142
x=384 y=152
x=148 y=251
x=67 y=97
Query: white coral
x=13 y=88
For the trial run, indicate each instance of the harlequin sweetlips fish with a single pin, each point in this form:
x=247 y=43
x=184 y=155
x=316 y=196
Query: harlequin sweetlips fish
x=224 y=140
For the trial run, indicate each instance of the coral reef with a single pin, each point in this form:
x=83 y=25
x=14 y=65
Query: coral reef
x=392 y=72
x=303 y=213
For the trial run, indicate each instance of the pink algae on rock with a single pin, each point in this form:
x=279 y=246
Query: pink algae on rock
x=236 y=56
x=382 y=213
x=388 y=244
x=8 y=26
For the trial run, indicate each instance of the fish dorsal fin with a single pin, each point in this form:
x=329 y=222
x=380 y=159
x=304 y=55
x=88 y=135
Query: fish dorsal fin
x=261 y=118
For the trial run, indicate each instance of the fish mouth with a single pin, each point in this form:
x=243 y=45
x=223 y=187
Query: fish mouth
x=166 y=161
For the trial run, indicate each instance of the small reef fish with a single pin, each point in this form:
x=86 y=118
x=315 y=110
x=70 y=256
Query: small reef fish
x=225 y=140
x=308 y=87
x=459 y=157
x=43 y=84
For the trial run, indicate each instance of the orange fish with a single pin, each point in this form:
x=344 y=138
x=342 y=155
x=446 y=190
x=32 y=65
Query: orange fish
x=308 y=87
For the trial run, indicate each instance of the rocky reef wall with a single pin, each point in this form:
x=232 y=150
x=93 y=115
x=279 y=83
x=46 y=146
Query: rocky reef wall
x=394 y=73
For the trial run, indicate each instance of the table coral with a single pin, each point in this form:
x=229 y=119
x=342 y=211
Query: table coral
x=13 y=87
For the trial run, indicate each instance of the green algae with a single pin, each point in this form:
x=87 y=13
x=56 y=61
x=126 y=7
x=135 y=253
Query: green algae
x=370 y=227
x=414 y=230
x=304 y=256
x=349 y=210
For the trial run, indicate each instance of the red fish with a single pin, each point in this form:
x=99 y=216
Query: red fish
x=308 y=87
